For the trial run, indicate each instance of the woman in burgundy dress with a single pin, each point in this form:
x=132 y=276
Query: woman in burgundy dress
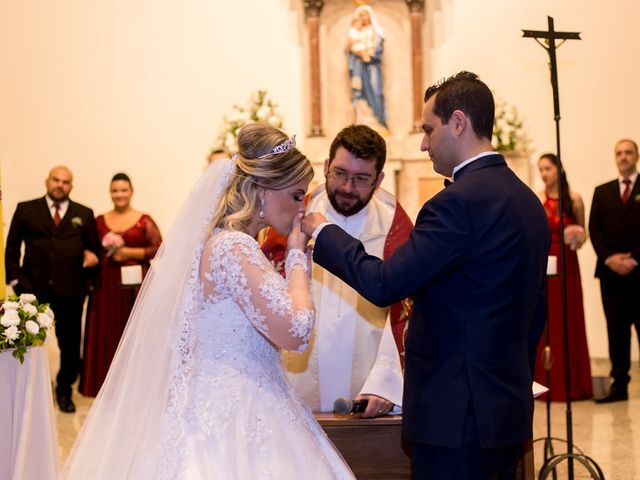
x=129 y=237
x=574 y=237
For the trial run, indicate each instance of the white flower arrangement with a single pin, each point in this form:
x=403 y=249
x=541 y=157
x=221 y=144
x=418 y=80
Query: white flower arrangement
x=24 y=323
x=508 y=133
x=260 y=109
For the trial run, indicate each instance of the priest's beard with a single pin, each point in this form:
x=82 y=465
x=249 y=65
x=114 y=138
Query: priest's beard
x=343 y=202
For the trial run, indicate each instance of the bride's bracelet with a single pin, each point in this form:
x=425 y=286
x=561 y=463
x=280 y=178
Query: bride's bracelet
x=296 y=257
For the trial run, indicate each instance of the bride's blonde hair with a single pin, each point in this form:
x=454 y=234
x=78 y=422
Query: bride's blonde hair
x=257 y=166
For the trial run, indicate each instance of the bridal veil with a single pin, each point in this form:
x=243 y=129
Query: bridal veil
x=134 y=428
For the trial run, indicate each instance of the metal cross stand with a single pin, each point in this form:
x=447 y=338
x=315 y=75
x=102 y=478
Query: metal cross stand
x=550 y=36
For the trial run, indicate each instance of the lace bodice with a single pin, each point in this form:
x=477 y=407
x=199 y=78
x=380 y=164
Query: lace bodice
x=233 y=268
x=247 y=311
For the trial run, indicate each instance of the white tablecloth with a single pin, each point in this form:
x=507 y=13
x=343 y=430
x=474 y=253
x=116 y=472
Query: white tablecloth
x=28 y=439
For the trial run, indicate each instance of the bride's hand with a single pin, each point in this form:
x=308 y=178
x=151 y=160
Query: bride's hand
x=297 y=238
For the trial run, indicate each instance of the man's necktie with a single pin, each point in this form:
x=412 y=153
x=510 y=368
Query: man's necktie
x=627 y=190
x=447 y=182
x=56 y=214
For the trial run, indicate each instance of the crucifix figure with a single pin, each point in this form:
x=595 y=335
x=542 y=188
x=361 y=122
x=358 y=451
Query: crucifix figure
x=550 y=36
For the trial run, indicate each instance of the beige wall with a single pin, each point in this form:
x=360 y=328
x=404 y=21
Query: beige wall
x=141 y=86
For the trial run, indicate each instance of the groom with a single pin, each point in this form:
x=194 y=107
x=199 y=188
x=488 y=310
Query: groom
x=475 y=265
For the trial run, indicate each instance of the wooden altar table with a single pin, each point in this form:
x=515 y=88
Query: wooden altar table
x=375 y=450
x=372 y=447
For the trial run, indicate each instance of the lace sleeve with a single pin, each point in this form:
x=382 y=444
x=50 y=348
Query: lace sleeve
x=280 y=309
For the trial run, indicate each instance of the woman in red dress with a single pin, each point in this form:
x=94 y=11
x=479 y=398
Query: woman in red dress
x=574 y=237
x=129 y=237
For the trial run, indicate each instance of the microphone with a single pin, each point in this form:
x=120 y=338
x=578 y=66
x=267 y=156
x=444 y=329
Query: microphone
x=343 y=405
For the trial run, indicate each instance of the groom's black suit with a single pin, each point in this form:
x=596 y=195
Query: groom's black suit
x=475 y=265
x=52 y=270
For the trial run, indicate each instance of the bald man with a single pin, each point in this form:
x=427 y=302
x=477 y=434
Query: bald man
x=614 y=226
x=61 y=249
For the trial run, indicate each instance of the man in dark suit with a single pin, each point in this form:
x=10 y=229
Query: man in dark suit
x=475 y=265
x=614 y=225
x=61 y=249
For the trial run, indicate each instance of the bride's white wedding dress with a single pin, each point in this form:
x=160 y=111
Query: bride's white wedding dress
x=243 y=419
x=196 y=390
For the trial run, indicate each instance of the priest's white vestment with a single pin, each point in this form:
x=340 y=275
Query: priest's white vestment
x=352 y=349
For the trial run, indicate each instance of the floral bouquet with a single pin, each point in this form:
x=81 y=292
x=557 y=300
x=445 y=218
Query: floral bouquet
x=574 y=236
x=24 y=322
x=112 y=242
x=260 y=109
x=508 y=133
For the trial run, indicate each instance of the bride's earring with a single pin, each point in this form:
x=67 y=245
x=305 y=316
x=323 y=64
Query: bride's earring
x=261 y=212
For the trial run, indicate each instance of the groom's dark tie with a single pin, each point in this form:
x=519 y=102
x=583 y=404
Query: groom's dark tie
x=447 y=182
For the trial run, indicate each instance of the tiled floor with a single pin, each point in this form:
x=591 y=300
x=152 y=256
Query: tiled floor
x=609 y=434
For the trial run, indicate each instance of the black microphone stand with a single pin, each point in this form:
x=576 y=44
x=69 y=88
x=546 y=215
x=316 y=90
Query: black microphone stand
x=550 y=463
x=549 y=439
x=547 y=361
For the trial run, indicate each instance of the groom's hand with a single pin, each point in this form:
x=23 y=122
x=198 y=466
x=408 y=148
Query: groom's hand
x=311 y=221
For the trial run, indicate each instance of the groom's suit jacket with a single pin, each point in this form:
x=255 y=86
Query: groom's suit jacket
x=53 y=255
x=475 y=265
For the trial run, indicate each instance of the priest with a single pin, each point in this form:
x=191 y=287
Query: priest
x=357 y=348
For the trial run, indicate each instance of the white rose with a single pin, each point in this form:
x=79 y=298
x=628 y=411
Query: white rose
x=263 y=113
x=230 y=146
x=44 y=320
x=244 y=117
x=256 y=96
x=32 y=327
x=48 y=312
x=274 y=121
x=11 y=333
x=10 y=319
x=10 y=306
x=230 y=143
x=27 y=298
x=30 y=309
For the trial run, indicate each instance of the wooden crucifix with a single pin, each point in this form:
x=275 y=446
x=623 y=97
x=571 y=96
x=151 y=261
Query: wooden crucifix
x=550 y=36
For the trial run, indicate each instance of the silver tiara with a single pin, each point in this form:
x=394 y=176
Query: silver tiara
x=283 y=147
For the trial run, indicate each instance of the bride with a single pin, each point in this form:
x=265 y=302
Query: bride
x=196 y=390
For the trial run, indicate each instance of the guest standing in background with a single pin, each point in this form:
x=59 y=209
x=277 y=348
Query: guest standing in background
x=129 y=237
x=574 y=237
x=614 y=225
x=61 y=251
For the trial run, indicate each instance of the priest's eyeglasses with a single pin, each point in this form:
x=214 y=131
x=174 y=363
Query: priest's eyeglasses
x=358 y=181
